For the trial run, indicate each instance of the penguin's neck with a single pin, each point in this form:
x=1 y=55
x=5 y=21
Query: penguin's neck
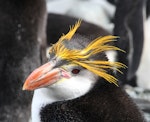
x=66 y=90
x=41 y=99
x=45 y=96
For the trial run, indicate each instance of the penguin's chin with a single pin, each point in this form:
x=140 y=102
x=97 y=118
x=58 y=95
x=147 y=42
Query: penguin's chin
x=68 y=89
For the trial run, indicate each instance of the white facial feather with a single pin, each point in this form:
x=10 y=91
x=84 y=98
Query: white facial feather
x=65 y=89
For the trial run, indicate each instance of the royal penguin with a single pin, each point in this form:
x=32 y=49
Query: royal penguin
x=78 y=83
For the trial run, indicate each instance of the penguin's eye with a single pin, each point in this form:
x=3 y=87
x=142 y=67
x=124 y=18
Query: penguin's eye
x=75 y=71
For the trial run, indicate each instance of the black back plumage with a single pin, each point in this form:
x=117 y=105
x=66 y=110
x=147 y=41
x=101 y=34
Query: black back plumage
x=22 y=27
x=58 y=24
x=104 y=103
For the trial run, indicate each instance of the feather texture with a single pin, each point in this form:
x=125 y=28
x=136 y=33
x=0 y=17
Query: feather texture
x=82 y=57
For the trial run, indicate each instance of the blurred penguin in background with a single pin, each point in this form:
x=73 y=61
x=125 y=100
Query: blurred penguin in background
x=22 y=49
x=143 y=71
x=148 y=8
x=128 y=22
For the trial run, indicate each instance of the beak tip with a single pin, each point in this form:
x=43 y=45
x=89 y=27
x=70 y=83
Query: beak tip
x=24 y=88
x=39 y=77
x=27 y=87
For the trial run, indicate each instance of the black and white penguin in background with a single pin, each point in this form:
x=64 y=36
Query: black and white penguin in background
x=78 y=83
x=143 y=71
x=128 y=22
x=22 y=41
x=123 y=18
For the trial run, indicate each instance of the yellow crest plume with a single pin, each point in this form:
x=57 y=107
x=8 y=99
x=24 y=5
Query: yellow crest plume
x=72 y=31
x=81 y=57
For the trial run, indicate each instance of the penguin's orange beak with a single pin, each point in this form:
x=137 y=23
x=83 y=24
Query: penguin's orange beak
x=44 y=76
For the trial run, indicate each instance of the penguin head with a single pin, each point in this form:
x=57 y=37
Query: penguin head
x=75 y=65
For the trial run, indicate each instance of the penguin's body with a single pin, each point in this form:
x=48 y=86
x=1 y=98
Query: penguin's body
x=58 y=24
x=73 y=85
x=22 y=35
x=128 y=20
x=97 y=12
x=104 y=103
x=148 y=8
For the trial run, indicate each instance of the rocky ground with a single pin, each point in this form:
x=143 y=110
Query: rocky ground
x=141 y=97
